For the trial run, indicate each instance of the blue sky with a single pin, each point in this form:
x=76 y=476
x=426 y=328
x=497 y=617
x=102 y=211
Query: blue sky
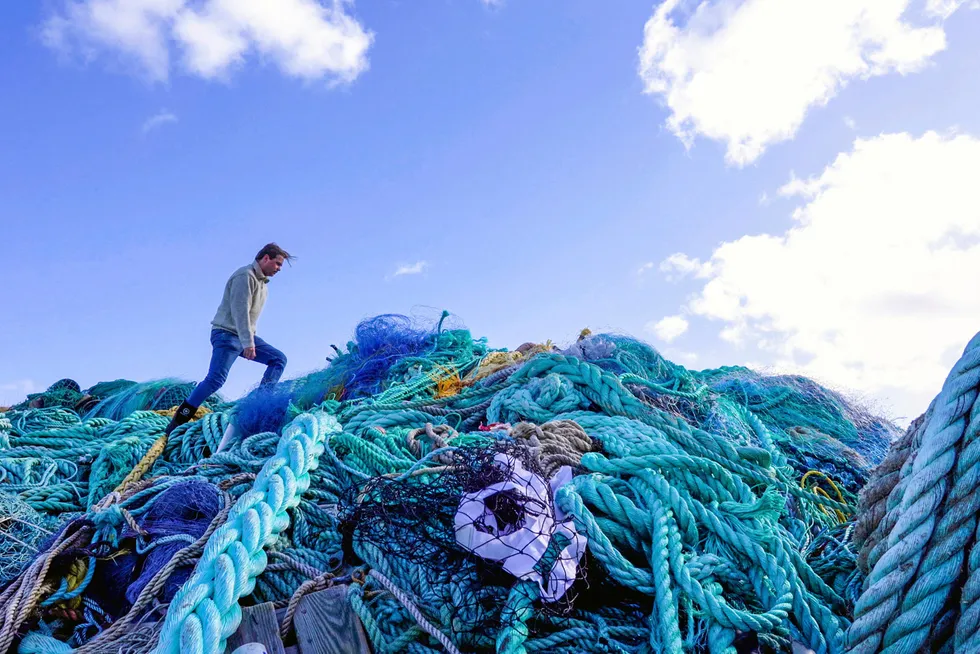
x=521 y=155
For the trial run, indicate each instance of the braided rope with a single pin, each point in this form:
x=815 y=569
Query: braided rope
x=20 y=599
x=555 y=444
x=205 y=611
x=910 y=583
x=321 y=582
x=870 y=527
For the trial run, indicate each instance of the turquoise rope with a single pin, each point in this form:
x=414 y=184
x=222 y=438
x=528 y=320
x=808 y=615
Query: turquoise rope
x=205 y=612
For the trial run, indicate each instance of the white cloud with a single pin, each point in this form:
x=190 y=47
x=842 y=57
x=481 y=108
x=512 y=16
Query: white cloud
x=795 y=186
x=304 y=38
x=157 y=120
x=874 y=285
x=670 y=328
x=944 y=8
x=679 y=265
x=16 y=391
x=745 y=72
x=648 y=266
x=413 y=269
x=849 y=122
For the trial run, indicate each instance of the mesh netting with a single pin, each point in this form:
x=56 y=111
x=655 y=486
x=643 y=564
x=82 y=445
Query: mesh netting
x=462 y=526
x=22 y=532
x=392 y=357
x=64 y=393
x=786 y=401
x=134 y=542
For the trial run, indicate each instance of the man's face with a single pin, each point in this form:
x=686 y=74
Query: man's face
x=271 y=266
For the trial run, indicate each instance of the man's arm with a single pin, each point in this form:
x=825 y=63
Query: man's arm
x=241 y=304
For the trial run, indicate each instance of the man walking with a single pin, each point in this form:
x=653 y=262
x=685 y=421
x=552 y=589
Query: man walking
x=233 y=330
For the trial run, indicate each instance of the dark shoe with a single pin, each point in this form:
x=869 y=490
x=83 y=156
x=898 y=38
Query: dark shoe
x=184 y=414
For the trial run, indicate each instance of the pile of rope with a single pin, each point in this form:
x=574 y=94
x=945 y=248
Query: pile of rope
x=593 y=499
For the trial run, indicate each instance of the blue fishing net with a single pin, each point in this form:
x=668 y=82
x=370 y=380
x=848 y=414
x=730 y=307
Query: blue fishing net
x=387 y=351
x=168 y=522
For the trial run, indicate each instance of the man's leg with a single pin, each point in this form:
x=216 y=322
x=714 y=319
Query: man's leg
x=226 y=348
x=274 y=360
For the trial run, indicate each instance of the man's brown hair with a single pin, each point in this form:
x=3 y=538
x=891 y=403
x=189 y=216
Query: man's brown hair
x=273 y=251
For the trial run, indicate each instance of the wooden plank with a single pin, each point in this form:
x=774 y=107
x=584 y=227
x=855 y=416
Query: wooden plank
x=259 y=625
x=325 y=623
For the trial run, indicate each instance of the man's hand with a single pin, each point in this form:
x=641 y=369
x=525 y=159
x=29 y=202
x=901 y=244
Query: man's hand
x=249 y=353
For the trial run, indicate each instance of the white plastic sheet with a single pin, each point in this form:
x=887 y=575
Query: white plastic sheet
x=520 y=546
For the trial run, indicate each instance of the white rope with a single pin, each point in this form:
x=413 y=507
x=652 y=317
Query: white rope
x=419 y=618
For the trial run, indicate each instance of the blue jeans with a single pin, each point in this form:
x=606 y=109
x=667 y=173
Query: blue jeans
x=227 y=348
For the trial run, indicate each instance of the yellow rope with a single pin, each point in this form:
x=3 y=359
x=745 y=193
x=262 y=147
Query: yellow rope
x=144 y=464
x=449 y=385
x=495 y=361
x=169 y=413
x=156 y=449
x=76 y=573
x=819 y=491
x=818 y=473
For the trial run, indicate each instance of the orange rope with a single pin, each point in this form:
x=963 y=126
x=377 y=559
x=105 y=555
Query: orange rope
x=449 y=385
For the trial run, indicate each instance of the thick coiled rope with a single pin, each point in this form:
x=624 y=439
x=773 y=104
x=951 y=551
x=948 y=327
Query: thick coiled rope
x=934 y=525
x=205 y=612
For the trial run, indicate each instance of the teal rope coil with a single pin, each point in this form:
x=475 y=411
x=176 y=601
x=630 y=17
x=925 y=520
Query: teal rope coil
x=205 y=612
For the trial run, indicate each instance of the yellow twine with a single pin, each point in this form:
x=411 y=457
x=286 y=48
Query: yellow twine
x=115 y=555
x=493 y=362
x=336 y=393
x=815 y=489
x=501 y=358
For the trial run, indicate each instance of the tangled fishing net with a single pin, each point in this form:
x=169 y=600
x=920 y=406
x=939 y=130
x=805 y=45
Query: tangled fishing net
x=592 y=498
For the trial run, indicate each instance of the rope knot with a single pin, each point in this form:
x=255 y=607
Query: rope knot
x=111 y=517
x=108 y=524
